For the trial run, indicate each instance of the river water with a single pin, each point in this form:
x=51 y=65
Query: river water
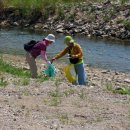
x=112 y=55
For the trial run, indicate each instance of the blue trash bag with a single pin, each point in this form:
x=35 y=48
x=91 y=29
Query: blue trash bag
x=50 y=70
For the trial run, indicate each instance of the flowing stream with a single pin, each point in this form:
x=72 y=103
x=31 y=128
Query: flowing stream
x=112 y=55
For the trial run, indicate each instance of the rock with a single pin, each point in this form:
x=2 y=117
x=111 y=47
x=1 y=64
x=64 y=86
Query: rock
x=127 y=80
x=5 y=23
x=16 y=24
x=60 y=30
x=105 y=71
x=38 y=26
x=59 y=26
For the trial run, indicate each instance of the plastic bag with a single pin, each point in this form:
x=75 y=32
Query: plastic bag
x=50 y=70
x=69 y=73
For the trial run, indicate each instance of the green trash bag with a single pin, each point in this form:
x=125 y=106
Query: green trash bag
x=50 y=70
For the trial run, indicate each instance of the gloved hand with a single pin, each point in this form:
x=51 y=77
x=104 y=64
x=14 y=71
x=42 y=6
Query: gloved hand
x=48 y=62
x=53 y=59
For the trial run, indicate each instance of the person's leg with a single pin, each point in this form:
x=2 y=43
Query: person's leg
x=32 y=64
x=79 y=68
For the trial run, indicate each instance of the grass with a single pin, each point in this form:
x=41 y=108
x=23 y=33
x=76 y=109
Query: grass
x=45 y=6
x=55 y=93
x=129 y=112
x=64 y=118
x=69 y=92
x=124 y=89
x=3 y=82
x=22 y=76
x=127 y=24
x=8 y=68
x=82 y=94
x=23 y=81
x=25 y=93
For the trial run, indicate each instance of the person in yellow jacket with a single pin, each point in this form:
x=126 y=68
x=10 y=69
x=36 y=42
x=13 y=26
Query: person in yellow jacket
x=75 y=53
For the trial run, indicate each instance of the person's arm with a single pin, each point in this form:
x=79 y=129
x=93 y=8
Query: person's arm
x=62 y=53
x=44 y=56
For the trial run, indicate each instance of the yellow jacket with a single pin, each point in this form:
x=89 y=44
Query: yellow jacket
x=76 y=50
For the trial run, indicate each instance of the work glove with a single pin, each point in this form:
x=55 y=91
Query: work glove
x=52 y=60
x=48 y=62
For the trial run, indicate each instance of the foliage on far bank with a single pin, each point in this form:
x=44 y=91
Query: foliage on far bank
x=44 y=4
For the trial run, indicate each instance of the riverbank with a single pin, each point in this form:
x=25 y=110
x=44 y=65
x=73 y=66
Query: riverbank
x=56 y=104
x=107 y=20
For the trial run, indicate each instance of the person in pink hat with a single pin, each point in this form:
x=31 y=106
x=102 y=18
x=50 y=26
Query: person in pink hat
x=39 y=49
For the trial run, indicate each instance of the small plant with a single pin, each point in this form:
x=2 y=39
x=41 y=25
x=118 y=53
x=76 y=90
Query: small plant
x=124 y=1
x=69 y=92
x=25 y=81
x=42 y=78
x=127 y=24
x=57 y=82
x=82 y=94
x=22 y=81
x=25 y=93
x=55 y=97
x=55 y=101
x=129 y=112
x=122 y=90
x=55 y=93
x=64 y=118
x=60 y=13
x=109 y=86
x=3 y=83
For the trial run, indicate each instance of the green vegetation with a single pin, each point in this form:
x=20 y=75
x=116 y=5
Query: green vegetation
x=25 y=93
x=129 y=112
x=3 y=82
x=8 y=68
x=23 y=81
x=127 y=24
x=55 y=93
x=124 y=1
x=64 y=118
x=124 y=89
x=69 y=92
x=22 y=76
x=82 y=94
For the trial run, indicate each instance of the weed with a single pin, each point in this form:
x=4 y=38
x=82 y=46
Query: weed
x=8 y=68
x=57 y=82
x=127 y=24
x=55 y=93
x=64 y=118
x=42 y=78
x=3 y=82
x=122 y=90
x=109 y=86
x=129 y=113
x=69 y=92
x=25 y=93
x=82 y=94
x=23 y=81
x=55 y=101
x=124 y=1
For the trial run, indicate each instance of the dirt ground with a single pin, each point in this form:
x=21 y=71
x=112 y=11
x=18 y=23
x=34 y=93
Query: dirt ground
x=58 y=105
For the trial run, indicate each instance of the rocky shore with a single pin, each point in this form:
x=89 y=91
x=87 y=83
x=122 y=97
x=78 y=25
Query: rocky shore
x=105 y=20
x=56 y=104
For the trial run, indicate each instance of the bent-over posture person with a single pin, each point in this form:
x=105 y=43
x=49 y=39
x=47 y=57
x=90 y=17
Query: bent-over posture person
x=39 y=49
